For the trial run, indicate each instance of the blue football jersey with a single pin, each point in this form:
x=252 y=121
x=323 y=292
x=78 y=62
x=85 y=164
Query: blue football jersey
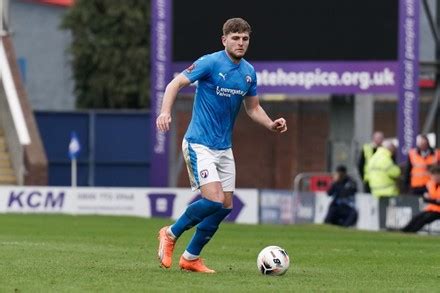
x=221 y=87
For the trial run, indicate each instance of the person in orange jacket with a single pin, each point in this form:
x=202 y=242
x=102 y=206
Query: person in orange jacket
x=432 y=198
x=419 y=160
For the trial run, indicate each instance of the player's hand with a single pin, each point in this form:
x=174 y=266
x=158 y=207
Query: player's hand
x=163 y=122
x=279 y=125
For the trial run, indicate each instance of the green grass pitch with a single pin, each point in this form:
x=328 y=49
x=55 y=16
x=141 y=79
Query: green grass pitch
x=55 y=253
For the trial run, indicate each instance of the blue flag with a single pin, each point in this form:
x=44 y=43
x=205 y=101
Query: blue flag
x=74 y=146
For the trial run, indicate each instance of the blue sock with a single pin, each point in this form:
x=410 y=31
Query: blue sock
x=205 y=230
x=194 y=214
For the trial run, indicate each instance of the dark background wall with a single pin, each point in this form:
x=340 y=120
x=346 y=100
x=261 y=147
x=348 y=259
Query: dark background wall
x=269 y=160
x=116 y=145
x=115 y=148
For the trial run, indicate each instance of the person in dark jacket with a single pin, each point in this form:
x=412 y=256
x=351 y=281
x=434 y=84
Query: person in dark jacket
x=342 y=210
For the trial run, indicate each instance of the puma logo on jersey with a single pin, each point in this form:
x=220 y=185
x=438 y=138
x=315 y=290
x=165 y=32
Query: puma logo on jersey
x=222 y=75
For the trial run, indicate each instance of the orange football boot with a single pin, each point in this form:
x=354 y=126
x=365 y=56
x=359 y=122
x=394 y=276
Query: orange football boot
x=196 y=265
x=166 y=248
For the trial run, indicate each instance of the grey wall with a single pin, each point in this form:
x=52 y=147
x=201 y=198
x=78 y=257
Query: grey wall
x=427 y=45
x=39 y=41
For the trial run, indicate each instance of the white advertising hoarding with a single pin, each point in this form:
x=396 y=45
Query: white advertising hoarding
x=141 y=202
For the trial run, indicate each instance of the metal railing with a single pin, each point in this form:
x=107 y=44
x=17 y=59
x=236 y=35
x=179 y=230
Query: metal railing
x=300 y=179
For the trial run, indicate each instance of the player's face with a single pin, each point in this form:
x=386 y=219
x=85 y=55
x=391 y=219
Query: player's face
x=236 y=45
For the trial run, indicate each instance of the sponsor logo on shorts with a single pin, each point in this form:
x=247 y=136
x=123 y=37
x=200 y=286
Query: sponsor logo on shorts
x=204 y=173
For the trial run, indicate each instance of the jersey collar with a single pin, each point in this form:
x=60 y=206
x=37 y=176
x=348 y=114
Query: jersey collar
x=229 y=59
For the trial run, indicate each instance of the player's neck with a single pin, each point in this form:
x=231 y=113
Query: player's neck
x=234 y=60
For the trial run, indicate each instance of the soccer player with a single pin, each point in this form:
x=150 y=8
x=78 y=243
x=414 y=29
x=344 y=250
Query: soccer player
x=225 y=81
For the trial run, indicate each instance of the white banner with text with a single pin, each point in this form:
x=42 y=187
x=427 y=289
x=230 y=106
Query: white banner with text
x=141 y=202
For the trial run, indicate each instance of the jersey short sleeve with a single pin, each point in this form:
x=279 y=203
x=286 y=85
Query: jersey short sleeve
x=252 y=92
x=199 y=69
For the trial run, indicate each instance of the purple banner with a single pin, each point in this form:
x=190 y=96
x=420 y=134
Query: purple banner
x=408 y=91
x=160 y=75
x=321 y=77
x=161 y=204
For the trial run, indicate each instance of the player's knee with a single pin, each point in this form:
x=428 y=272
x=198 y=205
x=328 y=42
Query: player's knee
x=221 y=198
x=216 y=197
x=214 y=192
x=227 y=204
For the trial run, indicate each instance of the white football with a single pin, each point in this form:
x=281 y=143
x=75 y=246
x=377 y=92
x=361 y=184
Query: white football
x=273 y=260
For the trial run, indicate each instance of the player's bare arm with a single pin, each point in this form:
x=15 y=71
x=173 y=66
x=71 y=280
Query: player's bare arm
x=257 y=114
x=164 y=119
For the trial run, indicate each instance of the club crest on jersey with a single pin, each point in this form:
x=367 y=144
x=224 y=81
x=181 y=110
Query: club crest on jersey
x=248 y=79
x=204 y=173
x=190 y=68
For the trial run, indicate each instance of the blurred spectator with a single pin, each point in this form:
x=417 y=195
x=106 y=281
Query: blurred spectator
x=341 y=210
x=383 y=171
x=432 y=197
x=367 y=152
x=419 y=159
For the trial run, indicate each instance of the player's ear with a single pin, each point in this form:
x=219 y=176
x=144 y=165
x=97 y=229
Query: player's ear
x=224 y=40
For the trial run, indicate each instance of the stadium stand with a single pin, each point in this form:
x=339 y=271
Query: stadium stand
x=7 y=175
x=27 y=158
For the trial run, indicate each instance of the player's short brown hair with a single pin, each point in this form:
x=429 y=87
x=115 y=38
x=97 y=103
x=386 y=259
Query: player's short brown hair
x=236 y=25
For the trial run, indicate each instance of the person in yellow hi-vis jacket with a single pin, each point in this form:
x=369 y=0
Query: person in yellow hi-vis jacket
x=367 y=152
x=383 y=175
x=383 y=172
